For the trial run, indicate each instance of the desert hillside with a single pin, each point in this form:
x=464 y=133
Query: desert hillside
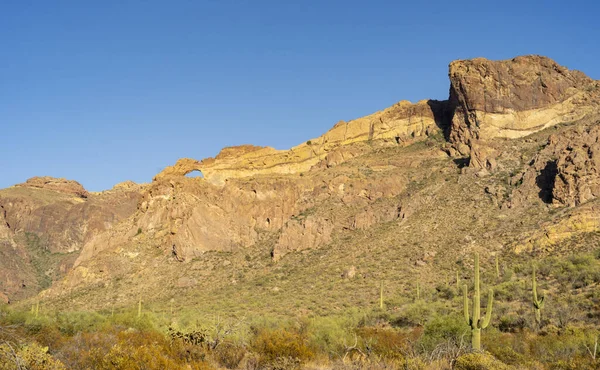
x=379 y=207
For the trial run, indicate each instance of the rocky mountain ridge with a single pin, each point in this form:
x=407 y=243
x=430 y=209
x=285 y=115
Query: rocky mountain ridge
x=382 y=169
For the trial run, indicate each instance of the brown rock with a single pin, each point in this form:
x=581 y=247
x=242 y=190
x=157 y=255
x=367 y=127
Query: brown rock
x=349 y=273
x=51 y=215
x=565 y=172
x=303 y=234
x=482 y=157
x=181 y=168
x=578 y=169
x=54 y=184
x=186 y=282
x=514 y=98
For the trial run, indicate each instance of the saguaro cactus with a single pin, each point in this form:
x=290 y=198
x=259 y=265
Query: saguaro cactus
x=418 y=291
x=381 y=295
x=140 y=307
x=475 y=322
x=497 y=269
x=457 y=281
x=538 y=304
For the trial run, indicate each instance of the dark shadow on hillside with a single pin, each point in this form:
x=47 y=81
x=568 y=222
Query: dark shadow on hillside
x=443 y=112
x=462 y=162
x=545 y=181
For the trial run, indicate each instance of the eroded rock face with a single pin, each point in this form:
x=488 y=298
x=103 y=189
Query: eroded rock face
x=47 y=216
x=566 y=171
x=61 y=185
x=514 y=98
x=578 y=168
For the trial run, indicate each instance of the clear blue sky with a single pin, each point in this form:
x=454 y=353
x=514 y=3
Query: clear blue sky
x=107 y=91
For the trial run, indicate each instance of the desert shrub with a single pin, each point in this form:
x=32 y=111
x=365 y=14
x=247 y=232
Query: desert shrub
x=332 y=334
x=70 y=323
x=130 y=319
x=564 y=312
x=34 y=324
x=386 y=342
x=86 y=349
x=479 y=361
x=272 y=344
x=31 y=356
x=445 y=291
x=148 y=356
x=552 y=348
x=440 y=329
x=508 y=291
x=512 y=323
x=414 y=314
x=508 y=348
x=230 y=355
x=508 y=274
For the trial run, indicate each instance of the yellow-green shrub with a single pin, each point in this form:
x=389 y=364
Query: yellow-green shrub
x=271 y=344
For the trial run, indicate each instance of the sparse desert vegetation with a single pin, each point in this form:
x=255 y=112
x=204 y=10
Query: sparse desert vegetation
x=426 y=332
x=369 y=247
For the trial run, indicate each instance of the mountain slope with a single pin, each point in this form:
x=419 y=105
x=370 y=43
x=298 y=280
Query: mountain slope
x=401 y=194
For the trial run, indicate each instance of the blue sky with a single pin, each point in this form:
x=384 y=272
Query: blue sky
x=107 y=91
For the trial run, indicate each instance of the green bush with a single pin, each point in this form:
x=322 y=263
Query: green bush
x=479 y=361
x=442 y=329
x=273 y=344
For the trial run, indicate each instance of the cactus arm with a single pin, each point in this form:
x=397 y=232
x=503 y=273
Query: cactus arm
x=488 y=311
x=476 y=295
x=466 y=306
x=538 y=305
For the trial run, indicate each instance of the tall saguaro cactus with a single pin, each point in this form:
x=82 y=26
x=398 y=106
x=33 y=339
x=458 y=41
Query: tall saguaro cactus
x=538 y=304
x=497 y=268
x=381 y=295
x=476 y=323
x=457 y=281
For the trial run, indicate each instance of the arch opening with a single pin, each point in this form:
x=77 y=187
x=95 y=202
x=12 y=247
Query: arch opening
x=195 y=174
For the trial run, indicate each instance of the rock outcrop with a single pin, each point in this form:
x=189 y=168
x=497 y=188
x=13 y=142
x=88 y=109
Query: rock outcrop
x=60 y=185
x=45 y=222
x=517 y=97
x=566 y=172
x=181 y=168
x=402 y=124
x=578 y=169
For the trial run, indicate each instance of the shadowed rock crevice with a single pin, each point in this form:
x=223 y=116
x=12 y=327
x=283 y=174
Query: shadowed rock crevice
x=443 y=112
x=545 y=181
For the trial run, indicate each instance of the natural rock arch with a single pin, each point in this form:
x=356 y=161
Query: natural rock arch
x=181 y=168
x=195 y=174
